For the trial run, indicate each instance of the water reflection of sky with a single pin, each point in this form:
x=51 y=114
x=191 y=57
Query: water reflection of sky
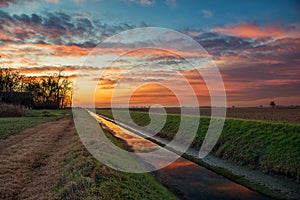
x=136 y=143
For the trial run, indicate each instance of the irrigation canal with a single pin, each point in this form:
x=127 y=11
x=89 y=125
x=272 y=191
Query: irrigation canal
x=187 y=179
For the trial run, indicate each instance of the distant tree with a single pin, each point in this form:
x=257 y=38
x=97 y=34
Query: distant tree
x=10 y=80
x=260 y=106
x=272 y=104
x=54 y=91
x=12 y=88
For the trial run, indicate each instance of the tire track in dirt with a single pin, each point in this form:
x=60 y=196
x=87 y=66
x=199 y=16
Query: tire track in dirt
x=30 y=160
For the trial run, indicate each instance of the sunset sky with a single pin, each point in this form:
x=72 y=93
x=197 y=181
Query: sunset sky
x=254 y=44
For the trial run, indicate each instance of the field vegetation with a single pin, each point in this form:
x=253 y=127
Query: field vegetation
x=30 y=118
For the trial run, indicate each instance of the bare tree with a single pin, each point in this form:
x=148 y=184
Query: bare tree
x=12 y=88
x=10 y=80
x=53 y=91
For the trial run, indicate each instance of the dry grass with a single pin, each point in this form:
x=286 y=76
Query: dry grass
x=9 y=110
x=30 y=161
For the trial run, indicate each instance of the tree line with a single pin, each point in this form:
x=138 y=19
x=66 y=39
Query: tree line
x=51 y=92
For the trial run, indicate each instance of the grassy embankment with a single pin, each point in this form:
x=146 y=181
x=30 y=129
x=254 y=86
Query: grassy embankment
x=83 y=177
x=272 y=147
x=12 y=125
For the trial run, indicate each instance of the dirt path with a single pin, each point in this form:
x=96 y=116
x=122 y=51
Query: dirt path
x=30 y=160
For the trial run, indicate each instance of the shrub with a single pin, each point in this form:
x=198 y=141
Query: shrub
x=9 y=110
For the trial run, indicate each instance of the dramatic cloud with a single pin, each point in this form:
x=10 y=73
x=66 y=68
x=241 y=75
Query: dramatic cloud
x=5 y=37
x=246 y=30
x=5 y=3
x=57 y=28
x=256 y=71
x=258 y=61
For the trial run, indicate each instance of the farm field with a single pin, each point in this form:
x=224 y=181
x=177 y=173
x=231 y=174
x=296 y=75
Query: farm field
x=12 y=125
x=277 y=114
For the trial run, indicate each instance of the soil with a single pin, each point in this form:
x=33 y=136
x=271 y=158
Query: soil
x=30 y=160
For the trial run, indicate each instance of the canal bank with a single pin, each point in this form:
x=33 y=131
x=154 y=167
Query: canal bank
x=276 y=187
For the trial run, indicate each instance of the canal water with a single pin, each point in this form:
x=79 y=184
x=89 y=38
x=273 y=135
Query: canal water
x=185 y=178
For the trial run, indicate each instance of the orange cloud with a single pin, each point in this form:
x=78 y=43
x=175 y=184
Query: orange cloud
x=19 y=31
x=193 y=33
x=62 y=50
x=246 y=30
x=4 y=3
x=50 y=69
x=6 y=37
x=77 y=51
x=153 y=94
x=145 y=95
x=196 y=81
x=52 y=1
